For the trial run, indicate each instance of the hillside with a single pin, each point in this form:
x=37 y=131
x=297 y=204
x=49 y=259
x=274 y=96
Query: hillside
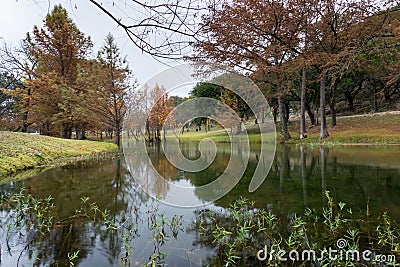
x=378 y=128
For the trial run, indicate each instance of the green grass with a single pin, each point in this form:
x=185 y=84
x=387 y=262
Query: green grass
x=376 y=129
x=218 y=136
x=20 y=151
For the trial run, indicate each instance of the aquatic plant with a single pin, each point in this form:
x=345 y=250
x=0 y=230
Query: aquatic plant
x=32 y=221
x=244 y=235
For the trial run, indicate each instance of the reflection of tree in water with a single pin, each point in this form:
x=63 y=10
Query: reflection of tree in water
x=284 y=168
x=53 y=249
x=123 y=200
x=161 y=163
x=296 y=181
x=303 y=163
x=140 y=164
x=323 y=160
x=299 y=176
x=123 y=193
x=69 y=184
x=73 y=233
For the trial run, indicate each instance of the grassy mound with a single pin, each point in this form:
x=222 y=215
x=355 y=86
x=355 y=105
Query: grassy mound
x=20 y=151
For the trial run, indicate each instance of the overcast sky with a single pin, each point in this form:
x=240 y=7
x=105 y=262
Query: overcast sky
x=19 y=16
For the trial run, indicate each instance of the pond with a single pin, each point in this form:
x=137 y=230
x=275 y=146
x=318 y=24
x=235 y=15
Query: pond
x=131 y=228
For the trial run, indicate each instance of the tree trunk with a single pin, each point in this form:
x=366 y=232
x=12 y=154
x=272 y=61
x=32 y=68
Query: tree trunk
x=80 y=134
x=310 y=114
x=284 y=130
x=157 y=135
x=287 y=112
x=324 y=131
x=333 y=114
x=303 y=131
x=26 y=113
x=148 y=131
x=25 y=122
x=47 y=129
x=275 y=113
x=67 y=131
x=117 y=139
x=332 y=104
x=387 y=94
x=350 y=101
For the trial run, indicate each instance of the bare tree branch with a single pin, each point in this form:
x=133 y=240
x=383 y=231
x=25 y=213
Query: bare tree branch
x=164 y=30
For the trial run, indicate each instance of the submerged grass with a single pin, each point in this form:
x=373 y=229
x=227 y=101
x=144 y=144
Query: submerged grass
x=20 y=151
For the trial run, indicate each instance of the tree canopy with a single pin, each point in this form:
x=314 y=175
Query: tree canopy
x=58 y=88
x=287 y=46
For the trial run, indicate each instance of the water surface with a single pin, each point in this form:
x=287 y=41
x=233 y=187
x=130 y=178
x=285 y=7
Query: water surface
x=363 y=177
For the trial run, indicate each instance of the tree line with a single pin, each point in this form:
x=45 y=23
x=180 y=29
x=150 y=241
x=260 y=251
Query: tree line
x=54 y=84
x=318 y=56
x=147 y=113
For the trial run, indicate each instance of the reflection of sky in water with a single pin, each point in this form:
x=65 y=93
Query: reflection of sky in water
x=220 y=170
x=126 y=202
x=188 y=196
x=355 y=175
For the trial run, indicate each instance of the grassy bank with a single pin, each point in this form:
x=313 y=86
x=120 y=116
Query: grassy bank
x=19 y=151
x=377 y=129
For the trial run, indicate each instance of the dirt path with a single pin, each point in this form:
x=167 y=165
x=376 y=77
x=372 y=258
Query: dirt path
x=397 y=112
